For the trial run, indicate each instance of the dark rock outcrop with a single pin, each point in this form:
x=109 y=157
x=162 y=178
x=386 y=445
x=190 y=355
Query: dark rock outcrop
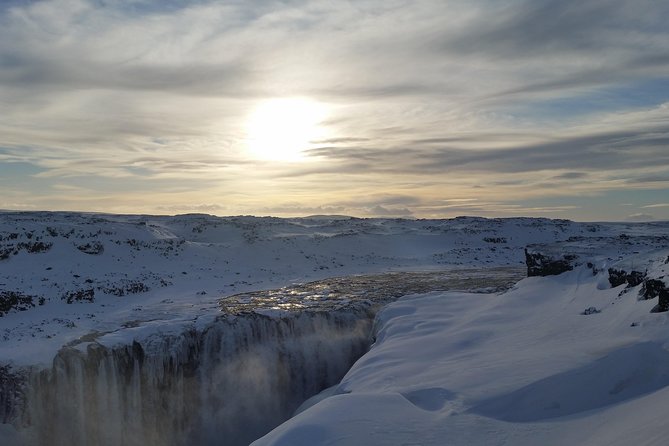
x=14 y=300
x=590 y=310
x=86 y=295
x=652 y=287
x=12 y=249
x=663 y=301
x=619 y=277
x=656 y=288
x=92 y=248
x=539 y=264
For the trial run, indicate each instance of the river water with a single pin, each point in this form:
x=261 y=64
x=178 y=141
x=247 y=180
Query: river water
x=340 y=292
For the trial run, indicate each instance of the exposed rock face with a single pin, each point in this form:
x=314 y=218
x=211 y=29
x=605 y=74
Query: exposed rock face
x=539 y=264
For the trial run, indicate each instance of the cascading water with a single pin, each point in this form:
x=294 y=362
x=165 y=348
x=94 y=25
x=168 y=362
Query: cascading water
x=227 y=384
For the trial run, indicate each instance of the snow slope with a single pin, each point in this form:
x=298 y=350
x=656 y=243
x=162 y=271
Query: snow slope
x=524 y=367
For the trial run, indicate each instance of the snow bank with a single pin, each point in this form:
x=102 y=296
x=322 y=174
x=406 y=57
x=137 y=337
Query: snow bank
x=524 y=367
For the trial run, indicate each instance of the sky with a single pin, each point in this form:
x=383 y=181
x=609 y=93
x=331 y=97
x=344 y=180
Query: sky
x=369 y=108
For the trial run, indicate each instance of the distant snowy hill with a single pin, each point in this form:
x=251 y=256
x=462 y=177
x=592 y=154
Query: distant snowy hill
x=65 y=274
x=122 y=306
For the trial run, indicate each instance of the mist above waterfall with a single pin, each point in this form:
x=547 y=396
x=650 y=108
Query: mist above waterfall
x=229 y=383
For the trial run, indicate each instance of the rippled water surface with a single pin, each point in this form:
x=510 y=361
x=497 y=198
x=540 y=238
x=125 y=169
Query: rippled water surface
x=339 y=292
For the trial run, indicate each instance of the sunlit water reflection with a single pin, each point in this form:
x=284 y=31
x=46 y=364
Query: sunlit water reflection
x=342 y=292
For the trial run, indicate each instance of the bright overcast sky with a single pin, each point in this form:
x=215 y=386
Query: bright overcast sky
x=432 y=108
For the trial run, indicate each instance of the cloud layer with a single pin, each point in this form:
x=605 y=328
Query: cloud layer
x=436 y=108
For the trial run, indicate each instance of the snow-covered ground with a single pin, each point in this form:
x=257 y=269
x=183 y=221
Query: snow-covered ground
x=522 y=367
x=78 y=273
x=525 y=367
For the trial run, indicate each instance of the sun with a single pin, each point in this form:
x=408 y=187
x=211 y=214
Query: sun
x=282 y=129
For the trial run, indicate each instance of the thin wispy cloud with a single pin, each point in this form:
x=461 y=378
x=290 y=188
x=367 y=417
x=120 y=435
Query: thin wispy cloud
x=640 y=217
x=505 y=103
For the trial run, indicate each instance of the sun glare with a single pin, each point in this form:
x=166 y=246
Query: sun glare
x=281 y=129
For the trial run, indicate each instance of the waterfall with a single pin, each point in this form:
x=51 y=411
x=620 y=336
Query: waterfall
x=226 y=384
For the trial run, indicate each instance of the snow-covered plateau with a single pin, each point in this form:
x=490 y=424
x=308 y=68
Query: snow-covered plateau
x=203 y=330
